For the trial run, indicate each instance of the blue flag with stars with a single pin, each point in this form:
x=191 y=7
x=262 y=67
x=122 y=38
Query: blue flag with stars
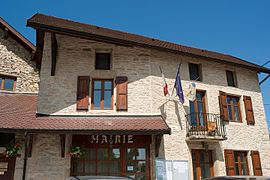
x=178 y=86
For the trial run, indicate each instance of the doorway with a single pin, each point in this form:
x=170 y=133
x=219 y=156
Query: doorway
x=202 y=163
x=7 y=168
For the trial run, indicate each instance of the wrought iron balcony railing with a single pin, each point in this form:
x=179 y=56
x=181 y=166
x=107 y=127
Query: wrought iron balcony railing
x=205 y=126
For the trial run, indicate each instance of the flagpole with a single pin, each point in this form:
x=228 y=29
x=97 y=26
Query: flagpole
x=160 y=69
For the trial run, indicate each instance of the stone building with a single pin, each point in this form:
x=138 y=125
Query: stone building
x=19 y=80
x=101 y=92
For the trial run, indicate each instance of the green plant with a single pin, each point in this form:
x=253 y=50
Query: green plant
x=76 y=151
x=12 y=150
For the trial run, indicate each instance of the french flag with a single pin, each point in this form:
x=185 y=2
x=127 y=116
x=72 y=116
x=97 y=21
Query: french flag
x=164 y=83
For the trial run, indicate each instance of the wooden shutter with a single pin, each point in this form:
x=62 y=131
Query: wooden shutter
x=121 y=93
x=249 y=110
x=257 y=168
x=229 y=161
x=223 y=105
x=83 y=92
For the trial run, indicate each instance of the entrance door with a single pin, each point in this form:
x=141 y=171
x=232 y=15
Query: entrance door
x=202 y=164
x=137 y=163
x=7 y=167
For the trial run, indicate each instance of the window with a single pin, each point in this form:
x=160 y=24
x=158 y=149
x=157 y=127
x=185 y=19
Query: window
x=236 y=162
x=240 y=162
x=198 y=110
x=7 y=83
x=231 y=78
x=234 y=109
x=102 y=94
x=6 y=138
x=103 y=61
x=195 y=72
x=98 y=161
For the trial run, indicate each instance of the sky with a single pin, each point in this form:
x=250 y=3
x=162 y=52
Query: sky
x=240 y=28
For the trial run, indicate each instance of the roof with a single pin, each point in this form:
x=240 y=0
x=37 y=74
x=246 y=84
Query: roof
x=18 y=112
x=58 y=25
x=17 y=36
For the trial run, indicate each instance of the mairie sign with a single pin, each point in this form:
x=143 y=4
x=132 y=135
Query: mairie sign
x=111 y=139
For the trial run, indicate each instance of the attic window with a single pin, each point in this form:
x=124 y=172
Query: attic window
x=103 y=61
x=195 y=72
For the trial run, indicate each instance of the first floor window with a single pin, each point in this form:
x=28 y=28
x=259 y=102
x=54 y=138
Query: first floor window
x=240 y=161
x=7 y=83
x=102 y=95
x=198 y=110
x=234 y=108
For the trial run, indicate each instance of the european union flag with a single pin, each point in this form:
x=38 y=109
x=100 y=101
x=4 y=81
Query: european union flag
x=178 y=86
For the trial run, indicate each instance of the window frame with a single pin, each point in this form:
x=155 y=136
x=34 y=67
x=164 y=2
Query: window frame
x=102 y=95
x=199 y=69
x=110 y=60
x=234 y=78
x=232 y=109
x=2 y=82
x=239 y=163
x=195 y=104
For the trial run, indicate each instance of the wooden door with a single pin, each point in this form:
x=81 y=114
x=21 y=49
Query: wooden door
x=202 y=164
x=7 y=167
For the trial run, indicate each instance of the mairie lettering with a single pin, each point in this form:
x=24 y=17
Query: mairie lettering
x=111 y=139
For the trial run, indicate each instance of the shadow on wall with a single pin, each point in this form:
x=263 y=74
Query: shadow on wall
x=178 y=108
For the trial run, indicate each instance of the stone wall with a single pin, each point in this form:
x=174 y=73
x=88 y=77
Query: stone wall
x=76 y=57
x=15 y=61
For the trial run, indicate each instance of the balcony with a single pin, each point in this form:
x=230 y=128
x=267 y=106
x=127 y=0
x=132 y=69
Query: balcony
x=205 y=127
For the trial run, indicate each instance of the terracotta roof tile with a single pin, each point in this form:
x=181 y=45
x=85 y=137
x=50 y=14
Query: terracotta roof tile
x=50 y=23
x=18 y=112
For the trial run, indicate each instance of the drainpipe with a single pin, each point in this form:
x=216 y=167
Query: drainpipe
x=25 y=155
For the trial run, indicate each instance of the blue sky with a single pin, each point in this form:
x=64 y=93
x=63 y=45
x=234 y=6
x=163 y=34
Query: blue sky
x=240 y=28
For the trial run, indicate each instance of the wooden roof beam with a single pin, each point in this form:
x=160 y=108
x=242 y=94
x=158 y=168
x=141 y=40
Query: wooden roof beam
x=53 y=53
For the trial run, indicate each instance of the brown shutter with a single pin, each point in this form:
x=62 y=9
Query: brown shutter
x=223 y=105
x=257 y=168
x=229 y=161
x=121 y=93
x=83 y=92
x=249 y=110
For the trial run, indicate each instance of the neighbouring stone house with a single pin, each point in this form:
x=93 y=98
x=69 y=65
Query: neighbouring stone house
x=101 y=91
x=19 y=80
